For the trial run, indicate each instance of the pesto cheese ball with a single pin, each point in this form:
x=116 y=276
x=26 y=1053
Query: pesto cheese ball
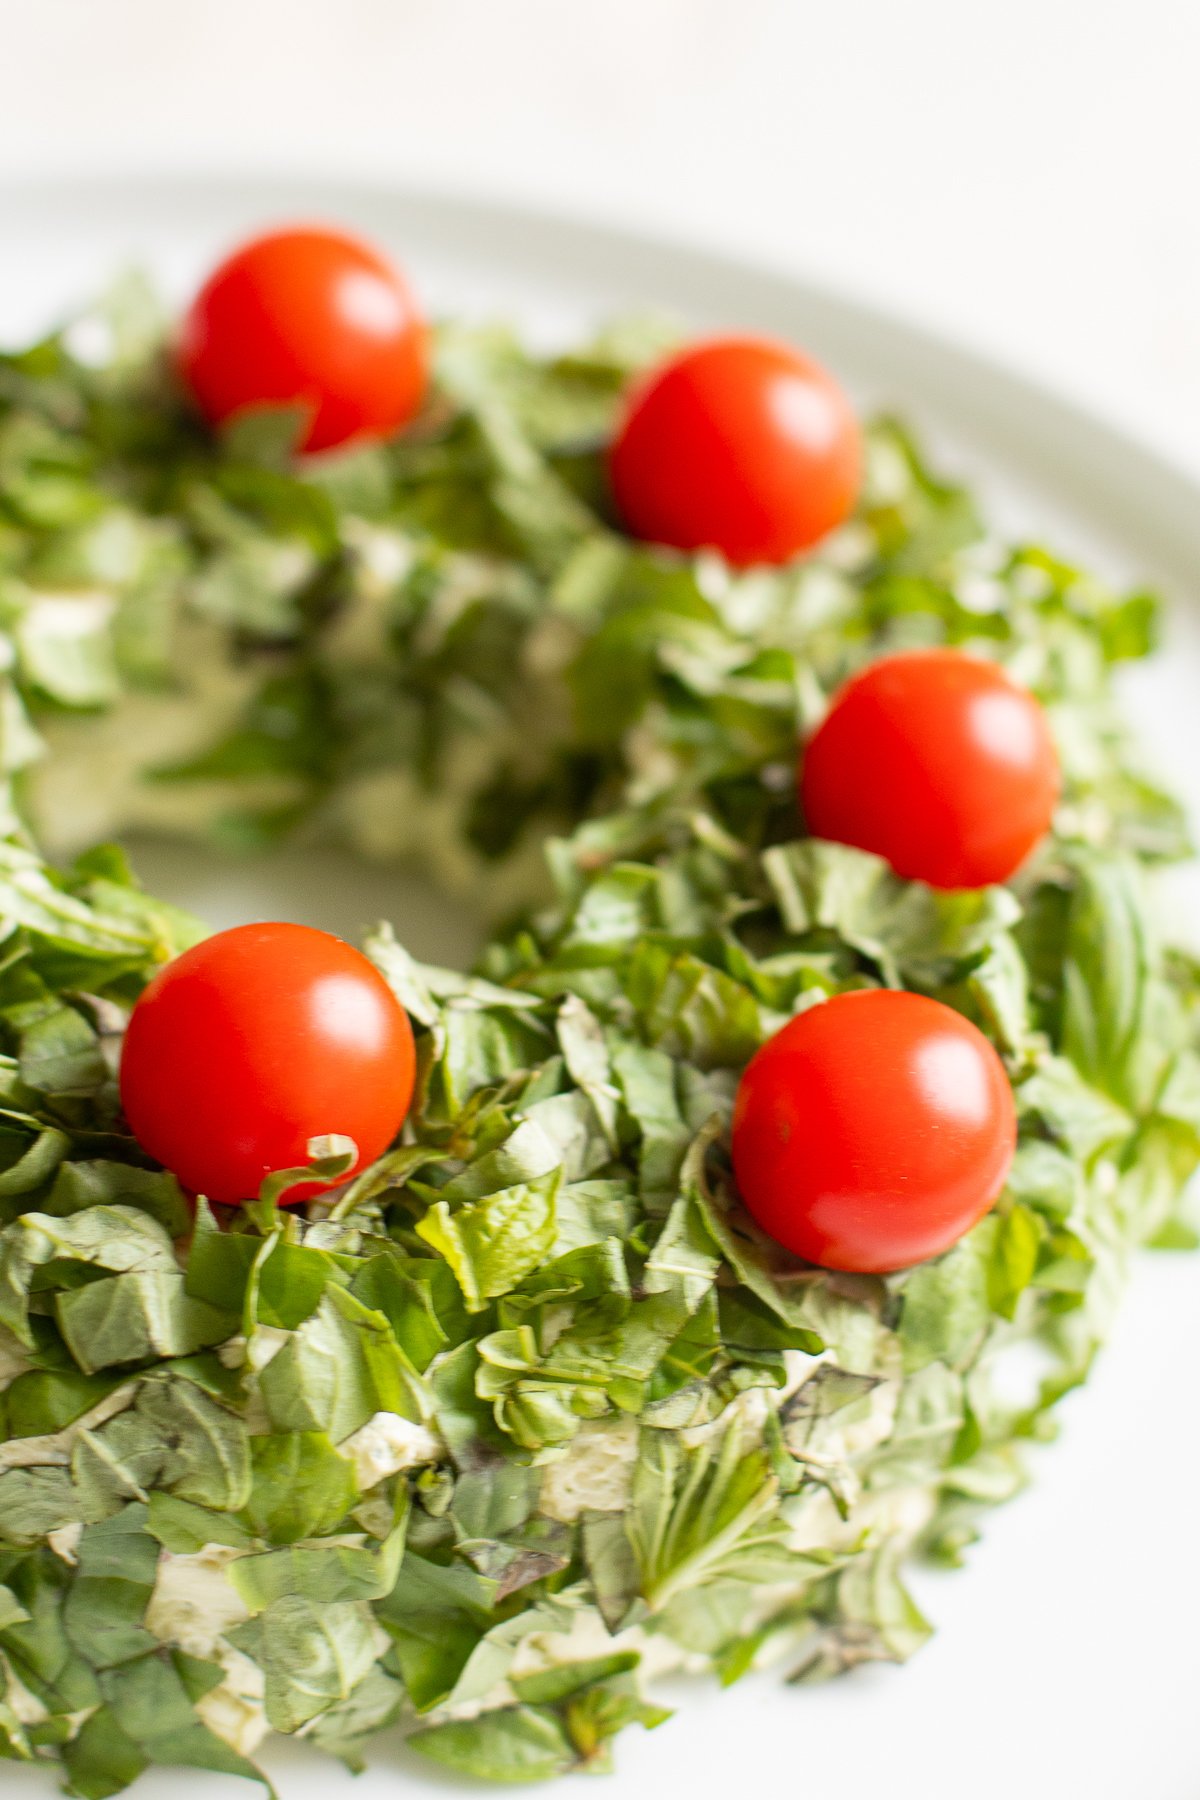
x=530 y=1410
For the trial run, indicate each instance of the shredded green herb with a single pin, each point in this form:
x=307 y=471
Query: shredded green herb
x=533 y=1400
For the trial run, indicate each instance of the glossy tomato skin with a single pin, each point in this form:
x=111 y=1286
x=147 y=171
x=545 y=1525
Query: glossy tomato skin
x=937 y=761
x=873 y=1131
x=311 y=318
x=255 y=1041
x=738 y=444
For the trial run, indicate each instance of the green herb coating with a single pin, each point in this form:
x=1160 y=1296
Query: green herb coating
x=532 y=1411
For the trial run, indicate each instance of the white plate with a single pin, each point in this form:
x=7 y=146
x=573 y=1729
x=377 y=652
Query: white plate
x=1064 y=1661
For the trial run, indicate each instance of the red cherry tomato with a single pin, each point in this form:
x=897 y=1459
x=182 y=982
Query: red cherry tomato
x=309 y=318
x=873 y=1131
x=255 y=1041
x=738 y=444
x=937 y=761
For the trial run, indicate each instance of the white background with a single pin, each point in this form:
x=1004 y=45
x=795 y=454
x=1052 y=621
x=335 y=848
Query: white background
x=1022 y=173
x=1022 y=176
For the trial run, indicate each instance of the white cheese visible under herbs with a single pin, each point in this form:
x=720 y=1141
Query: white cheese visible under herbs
x=256 y=1352
x=54 y=1450
x=234 y=1709
x=589 y=1638
x=194 y=1603
x=385 y=1445
x=26 y=1708
x=65 y=1544
x=594 y=1473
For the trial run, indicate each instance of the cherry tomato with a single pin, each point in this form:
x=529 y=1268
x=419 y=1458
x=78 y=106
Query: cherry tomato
x=309 y=318
x=937 y=761
x=738 y=444
x=255 y=1041
x=873 y=1131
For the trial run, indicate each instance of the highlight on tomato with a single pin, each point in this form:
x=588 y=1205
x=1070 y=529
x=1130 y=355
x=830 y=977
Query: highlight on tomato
x=311 y=318
x=938 y=761
x=255 y=1041
x=738 y=444
x=873 y=1131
